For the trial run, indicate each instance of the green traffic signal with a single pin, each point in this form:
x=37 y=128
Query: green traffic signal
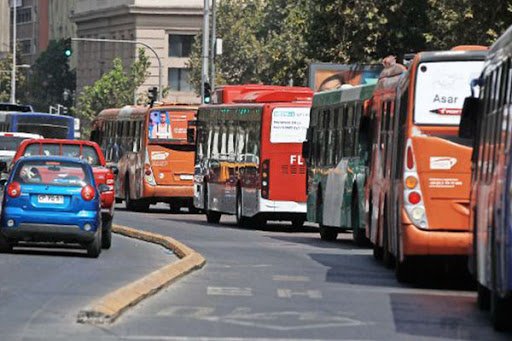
x=68 y=53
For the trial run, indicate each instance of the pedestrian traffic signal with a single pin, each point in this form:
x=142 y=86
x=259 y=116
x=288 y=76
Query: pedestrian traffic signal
x=207 y=92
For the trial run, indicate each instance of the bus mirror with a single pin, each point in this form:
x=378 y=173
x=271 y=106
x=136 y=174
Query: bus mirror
x=191 y=134
x=469 y=117
x=3 y=166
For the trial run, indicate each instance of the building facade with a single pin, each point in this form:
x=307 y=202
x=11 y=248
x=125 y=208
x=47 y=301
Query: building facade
x=60 y=12
x=5 y=24
x=168 y=26
x=31 y=28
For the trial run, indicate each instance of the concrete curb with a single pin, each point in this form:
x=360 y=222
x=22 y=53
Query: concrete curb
x=111 y=306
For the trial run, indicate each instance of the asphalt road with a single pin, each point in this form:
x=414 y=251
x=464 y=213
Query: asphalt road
x=272 y=283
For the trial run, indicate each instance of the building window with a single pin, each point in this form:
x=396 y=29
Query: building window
x=25 y=46
x=180 y=45
x=23 y=15
x=179 y=79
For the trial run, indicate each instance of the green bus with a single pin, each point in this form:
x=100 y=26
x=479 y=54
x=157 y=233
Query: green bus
x=337 y=151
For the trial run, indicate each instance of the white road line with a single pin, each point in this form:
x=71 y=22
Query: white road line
x=288 y=293
x=207 y=338
x=285 y=278
x=228 y=291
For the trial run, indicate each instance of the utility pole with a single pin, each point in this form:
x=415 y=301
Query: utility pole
x=206 y=36
x=213 y=42
x=13 y=71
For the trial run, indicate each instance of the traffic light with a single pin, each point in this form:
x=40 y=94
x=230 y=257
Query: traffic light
x=68 y=51
x=207 y=93
x=152 y=95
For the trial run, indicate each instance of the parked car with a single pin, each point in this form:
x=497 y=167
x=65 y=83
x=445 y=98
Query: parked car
x=9 y=143
x=52 y=199
x=92 y=154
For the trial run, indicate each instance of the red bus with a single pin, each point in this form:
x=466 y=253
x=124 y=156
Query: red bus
x=418 y=192
x=248 y=154
x=149 y=147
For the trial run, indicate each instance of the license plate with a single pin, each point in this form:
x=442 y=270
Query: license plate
x=50 y=199
x=186 y=177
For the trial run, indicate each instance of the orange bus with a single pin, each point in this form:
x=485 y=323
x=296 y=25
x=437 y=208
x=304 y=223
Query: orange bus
x=149 y=147
x=418 y=189
x=248 y=154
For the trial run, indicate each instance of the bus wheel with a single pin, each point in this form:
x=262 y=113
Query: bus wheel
x=483 y=298
x=403 y=271
x=174 y=208
x=328 y=233
x=358 y=233
x=240 y=221
x=377 y=252
x=298 y=222
x=211 y=216
x=500 y=311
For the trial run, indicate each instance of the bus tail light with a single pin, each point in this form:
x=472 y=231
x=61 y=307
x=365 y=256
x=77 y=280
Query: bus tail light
x=265 y=178
x=14 y=189
x=148 y=172
x=88 y=193
x=413 y=197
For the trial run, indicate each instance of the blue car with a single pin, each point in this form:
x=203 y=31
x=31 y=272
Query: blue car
x=51 y=199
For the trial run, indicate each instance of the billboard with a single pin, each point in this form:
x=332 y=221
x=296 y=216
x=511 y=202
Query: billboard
x=326 y=76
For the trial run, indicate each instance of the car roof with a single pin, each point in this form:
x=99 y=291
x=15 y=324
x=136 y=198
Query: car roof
x=62 y=141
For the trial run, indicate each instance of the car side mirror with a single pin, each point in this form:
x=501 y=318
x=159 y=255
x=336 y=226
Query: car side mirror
x=3 y=166
x=114 y=170
x=103 y=188
x=191 y=135
x=469 y=117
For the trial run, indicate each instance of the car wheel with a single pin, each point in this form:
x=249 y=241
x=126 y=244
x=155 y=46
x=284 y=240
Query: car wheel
x=500 y=311
x=403 y=270
x=106 y=237
x=94 y=247
x=5 y=246
x=328 y=233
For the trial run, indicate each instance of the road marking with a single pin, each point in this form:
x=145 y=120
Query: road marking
x=285 y=278
x=229 y=291
x=288 y=293
x=207 y=338
x=273 y=320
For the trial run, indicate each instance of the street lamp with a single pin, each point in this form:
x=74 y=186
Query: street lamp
x=131 y=42
x=13 y=71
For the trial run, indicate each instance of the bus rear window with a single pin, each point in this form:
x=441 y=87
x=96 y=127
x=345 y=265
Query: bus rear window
x=441 y=88
x=289 y=125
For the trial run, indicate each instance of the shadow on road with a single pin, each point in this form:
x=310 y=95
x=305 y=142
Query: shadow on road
x=48 y=249
x=450 y=317
x=314 y=240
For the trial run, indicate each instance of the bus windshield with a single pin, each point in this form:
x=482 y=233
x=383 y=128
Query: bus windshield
x=441 y=88
x=167 y=126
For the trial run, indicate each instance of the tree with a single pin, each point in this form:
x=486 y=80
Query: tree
x=5 y=78
x=50 y=77
x=267 y=41
x=115 y=88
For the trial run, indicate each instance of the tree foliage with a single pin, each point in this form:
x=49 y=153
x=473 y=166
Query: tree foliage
x=50 y=78
x=271 y=41
x=115 y=88
x=5 y=78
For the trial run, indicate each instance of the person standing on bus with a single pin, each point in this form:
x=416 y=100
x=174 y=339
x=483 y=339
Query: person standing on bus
x=162 y=130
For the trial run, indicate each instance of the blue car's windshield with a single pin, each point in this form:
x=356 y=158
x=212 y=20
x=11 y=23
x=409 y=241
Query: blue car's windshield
x=59 y=173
